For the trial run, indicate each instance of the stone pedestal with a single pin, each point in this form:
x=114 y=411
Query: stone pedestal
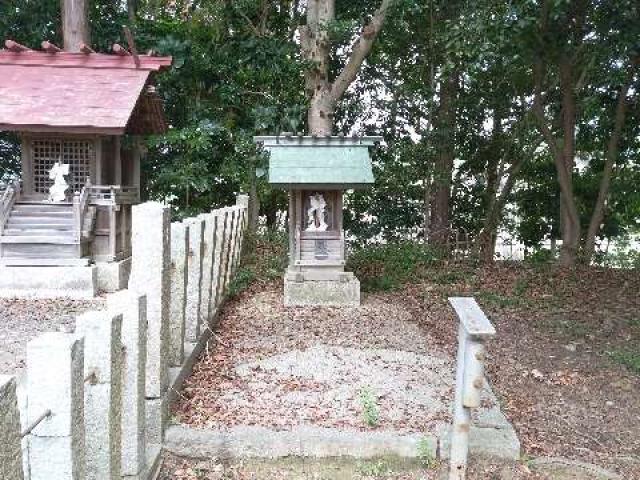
x=342 y=291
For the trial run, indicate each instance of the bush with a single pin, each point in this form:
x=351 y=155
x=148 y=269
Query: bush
x=389 y=266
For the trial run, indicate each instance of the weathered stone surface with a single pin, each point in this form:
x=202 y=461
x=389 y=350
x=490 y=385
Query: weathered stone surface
x=55 y=368
x=220 y=250
x=179 y=274
x=10 y=449
x=210 y=221
x=113 y=276
x=151 y=275
x=102 y=332
x=48 y=282
x=304 y=441
x=234 y=224
x=133 y=308
x=157 y=416
x=194 y=279
x=322 y=293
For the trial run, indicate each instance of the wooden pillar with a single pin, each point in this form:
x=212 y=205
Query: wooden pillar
x=98 y=167
x=117 y=162
x=27 y=165
x=75 y=24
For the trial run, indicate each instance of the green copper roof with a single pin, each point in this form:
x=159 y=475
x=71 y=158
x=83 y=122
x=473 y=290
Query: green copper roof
x=327 y=162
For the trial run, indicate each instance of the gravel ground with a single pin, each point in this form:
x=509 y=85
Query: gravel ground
x=23 y=320
x=289 y=366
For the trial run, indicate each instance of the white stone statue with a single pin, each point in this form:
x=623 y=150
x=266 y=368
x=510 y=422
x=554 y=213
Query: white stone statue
x=57 y=191
x=316 y=214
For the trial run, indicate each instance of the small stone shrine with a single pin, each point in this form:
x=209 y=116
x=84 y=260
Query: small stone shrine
x=316 y=171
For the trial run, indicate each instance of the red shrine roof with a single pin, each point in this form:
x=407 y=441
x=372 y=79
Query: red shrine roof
x=80 y=93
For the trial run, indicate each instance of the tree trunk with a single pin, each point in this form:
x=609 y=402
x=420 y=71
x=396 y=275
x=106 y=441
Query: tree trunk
x=570 y=218
x=443 y=171
x=316 y=45
x=132 y=10
x=607 y=172
x=75 y=24
x=254 y=201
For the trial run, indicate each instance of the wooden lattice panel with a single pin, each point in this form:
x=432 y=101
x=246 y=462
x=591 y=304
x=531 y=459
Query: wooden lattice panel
x=79 y=154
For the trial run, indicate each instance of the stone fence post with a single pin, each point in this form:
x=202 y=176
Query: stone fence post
x=218 y=269
x=102 y=332
x=210 y=221
x=151 y=275
x=194 y=279
x=10 y=449
x=179 y=277
x=474 y=330
x=55 y=383
x=133 y=308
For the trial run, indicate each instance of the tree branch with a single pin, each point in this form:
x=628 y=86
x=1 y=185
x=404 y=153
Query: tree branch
x=361 y=49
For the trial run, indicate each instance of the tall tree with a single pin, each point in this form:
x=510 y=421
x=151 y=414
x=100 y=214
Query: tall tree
x=316 y=48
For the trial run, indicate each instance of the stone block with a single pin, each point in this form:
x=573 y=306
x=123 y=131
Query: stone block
x=157 y=417
x=55 y=382
x=214 y=301
x=328 y=293
x=151 y=275
x=48 y=282
x=133 y=308
x=113 y=276
x=210 y=222
x=102 y=332
x=194 y=279
x=10 y=448
x=234 y=224
x=179 y=275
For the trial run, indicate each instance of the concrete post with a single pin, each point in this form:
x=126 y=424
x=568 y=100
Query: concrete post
x=218 y=269
x=10 y=449
x=194 y=279
x=102 y=332
x=207 y=267
x=55 y=382
x=133 y=308
x=230 y=225
x=242 y=200
x=234 y=223
x=473 y=331
x=239 y=239
x=179 y=275
x=150 y=274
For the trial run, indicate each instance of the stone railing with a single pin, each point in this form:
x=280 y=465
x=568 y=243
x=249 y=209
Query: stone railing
x=474 y=330
x=97 y=399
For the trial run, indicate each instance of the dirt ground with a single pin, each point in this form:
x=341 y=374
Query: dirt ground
x=565 y=363
x=23 y=320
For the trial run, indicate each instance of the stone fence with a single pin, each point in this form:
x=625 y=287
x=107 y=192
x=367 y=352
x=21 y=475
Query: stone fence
x=95 y=402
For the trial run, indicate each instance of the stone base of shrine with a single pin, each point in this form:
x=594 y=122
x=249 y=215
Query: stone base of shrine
x=113 y=276
x=300 y=291
x=48 y=282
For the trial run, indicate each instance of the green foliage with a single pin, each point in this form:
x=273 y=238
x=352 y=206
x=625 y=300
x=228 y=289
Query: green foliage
x=370 y=411
x=376 y=468
x=628 y=358
x=425 y=453
x=389 y=266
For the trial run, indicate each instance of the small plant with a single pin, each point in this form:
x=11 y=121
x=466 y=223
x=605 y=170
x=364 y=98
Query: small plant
x=374 y=469
x=425 y=453
x=241 y=281
x=629 y=359
x=370 y=413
